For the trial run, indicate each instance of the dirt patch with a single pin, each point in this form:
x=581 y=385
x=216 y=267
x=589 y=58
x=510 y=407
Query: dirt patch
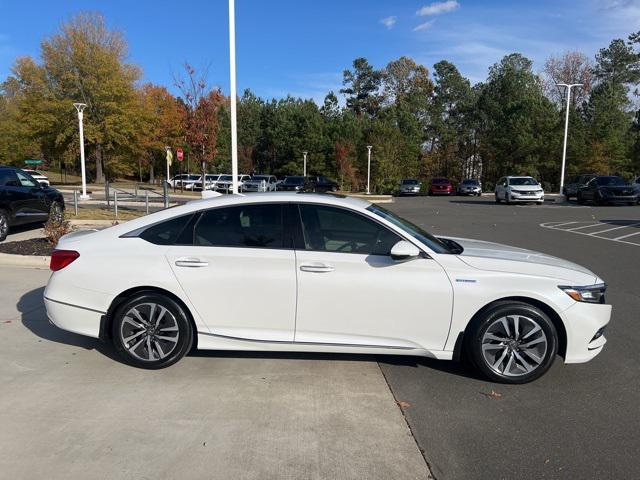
x=34 y=246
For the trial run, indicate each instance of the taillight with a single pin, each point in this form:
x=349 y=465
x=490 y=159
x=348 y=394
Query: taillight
x=62 y=258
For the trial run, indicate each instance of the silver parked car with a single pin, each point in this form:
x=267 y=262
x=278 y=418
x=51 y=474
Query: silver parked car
x=470 y=186
x=260 y=183
x=410 y=186
x=225 y=183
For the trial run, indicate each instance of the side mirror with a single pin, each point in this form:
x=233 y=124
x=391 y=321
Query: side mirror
x=404 y=250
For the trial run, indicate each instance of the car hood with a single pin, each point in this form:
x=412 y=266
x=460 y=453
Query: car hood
x=504 y=258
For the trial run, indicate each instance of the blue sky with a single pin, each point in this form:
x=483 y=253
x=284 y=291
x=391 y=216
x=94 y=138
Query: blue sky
x=301 y=47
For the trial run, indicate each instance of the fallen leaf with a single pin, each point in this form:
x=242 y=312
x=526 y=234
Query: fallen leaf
x=7 y=321
x=403 y=405
x=492 y=394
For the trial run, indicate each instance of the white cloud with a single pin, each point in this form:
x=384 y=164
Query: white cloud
x=389 y=22
x=437 y=8
x=424 y=26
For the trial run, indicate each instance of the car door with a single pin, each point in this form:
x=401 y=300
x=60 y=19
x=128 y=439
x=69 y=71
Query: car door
x=233 y=262
x=588 y=191
x=351 y=292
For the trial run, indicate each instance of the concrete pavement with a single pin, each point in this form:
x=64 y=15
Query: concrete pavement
x=68 y=410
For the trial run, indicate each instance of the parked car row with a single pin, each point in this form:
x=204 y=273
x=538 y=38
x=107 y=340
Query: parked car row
x=440 y=186
x=254 y=183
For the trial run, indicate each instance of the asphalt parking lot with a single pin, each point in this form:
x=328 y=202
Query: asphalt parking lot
x=578 y=421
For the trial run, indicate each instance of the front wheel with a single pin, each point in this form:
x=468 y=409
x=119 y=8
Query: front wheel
x=497 y=199
x=4 y=225
x=151 y=331
x=513 y=342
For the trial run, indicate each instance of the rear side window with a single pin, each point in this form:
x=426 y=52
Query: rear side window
x=167 y=232
x=8 y=178
x=248 y=226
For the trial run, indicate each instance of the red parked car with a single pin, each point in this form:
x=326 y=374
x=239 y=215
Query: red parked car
x=440 y=186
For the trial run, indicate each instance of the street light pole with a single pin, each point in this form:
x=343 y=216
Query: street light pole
x=304 y=168
x=566 y=130
x=80 y=107
x=232 y=92
x=369 y=147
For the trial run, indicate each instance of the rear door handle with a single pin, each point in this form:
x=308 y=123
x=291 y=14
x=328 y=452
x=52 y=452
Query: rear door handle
x=191 y=262
x=317 y=268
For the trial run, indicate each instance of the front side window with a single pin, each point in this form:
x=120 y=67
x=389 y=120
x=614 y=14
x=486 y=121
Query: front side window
x=8 y=178
x=332 y=229
x=248 y=226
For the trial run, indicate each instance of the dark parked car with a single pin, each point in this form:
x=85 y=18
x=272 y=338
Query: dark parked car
x=440 y=186
x=24 y=200
x=292 y=184
x=470 y=186
x=573 y=184
x=318 y=183
x=608 y=189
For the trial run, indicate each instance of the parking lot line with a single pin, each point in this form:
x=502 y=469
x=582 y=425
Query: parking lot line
x=583 y=226
x=627 y=236
x=615 y=228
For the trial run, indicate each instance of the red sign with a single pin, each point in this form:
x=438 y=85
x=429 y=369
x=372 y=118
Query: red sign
x=180 y=154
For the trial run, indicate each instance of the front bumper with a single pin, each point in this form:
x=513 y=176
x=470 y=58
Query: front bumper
x=582 y=322
x=520 y=197
x=409 y=191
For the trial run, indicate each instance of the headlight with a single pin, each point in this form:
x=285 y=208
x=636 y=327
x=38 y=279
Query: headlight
x=588 y=294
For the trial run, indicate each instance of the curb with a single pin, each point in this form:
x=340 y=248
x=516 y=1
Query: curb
x=29 y=261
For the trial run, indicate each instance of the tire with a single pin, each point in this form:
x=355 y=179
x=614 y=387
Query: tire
x=597 y=200
x=56 y=213
x=507 y=361
x=539 y=203
x=579 y=199
x=147 y=349
x=497 y=199
x=4 y=225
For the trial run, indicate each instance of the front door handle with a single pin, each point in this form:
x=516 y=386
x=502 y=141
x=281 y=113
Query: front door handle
x=191 y=262
x=317 y=268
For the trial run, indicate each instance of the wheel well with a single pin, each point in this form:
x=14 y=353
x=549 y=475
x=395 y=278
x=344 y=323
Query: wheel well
x=107 y=319
x=551 y=313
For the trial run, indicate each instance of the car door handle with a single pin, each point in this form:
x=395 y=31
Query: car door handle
x=191 y=262
x=317 y=268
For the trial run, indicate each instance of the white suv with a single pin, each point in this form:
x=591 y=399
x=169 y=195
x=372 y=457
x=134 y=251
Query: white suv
x=519 y=189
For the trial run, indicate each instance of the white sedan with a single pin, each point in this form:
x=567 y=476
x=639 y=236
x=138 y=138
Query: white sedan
x=519 y=189
x=340 y=275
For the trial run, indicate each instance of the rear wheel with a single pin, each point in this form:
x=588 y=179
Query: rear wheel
x=4 y=225
x=151 y=331
x=513 y=342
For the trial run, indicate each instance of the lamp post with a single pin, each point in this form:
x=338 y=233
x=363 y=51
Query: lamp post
x=80 y=107
x=369 y=147
x=169 y=157
x=566 y=130
x=232 y=93
x=304 y=167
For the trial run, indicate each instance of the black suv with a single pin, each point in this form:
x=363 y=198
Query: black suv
x=573 y=184
x=318 y=183
x=608 y=189
x=24 y=200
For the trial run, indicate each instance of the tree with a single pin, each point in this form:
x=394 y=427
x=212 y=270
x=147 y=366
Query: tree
x=85 y=62
x=569 y=68
x=201 y=115
x=362 y=88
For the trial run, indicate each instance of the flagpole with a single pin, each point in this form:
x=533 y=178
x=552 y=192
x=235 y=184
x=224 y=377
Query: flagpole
x=232 y=93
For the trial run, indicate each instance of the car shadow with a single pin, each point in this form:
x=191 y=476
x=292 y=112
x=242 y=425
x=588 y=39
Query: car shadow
x=625 y=223
x=34 y=318
x=474 y=202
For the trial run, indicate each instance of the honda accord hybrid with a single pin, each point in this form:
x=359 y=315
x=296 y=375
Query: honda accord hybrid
x=339 y=275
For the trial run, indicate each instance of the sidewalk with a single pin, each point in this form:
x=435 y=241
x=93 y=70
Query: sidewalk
x=70 y=411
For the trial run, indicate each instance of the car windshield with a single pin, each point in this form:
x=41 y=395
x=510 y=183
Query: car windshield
x=294 y=180
x=610 y=181
x=415 y=231
x=259 y=178
x=470 y=182
x=439 y=181
x=522 y=181
x=225 y=178
x=410 y=182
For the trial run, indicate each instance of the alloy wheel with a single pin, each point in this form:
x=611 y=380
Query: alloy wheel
x=514 y=345
x=149 y=332
x=4 y=225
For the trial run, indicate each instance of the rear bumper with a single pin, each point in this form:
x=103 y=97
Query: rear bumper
x=74 y=318
x=583 y=322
